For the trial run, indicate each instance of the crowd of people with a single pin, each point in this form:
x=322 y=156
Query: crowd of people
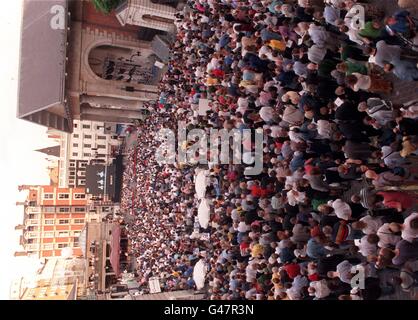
x=333 y=214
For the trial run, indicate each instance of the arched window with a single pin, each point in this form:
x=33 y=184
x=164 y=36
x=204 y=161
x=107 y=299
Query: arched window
x=120 y=64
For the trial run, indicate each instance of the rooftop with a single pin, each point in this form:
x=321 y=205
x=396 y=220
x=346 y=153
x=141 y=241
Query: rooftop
x=41 y=94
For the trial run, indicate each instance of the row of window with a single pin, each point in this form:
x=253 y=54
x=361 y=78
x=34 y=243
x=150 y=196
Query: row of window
x=51 y=246
x=72 y=183
x=87 y=145
x=64 y=196
x=81 y=164
x=54 y=234
x=63 y=221
x=79 y=173
x=88 y=136
x=87 y=155
x=87 y=126
x=48 y=291
x=61 y=210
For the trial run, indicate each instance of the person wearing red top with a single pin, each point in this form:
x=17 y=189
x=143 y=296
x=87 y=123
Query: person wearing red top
x=398 y=200
x=244 y=248
x=218 y=73
x=292 y=270
x=256 y=191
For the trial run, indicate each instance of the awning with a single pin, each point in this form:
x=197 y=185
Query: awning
x=200 y=183
x=199 y=274
x=203 y=213
x=115 y=248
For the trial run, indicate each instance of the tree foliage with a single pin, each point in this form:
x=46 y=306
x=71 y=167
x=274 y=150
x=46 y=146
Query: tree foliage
x=106 y=6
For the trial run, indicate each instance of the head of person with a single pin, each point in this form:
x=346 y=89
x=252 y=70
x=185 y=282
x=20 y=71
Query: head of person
x=342 y=67
x=332 y=274
x=355 y=198
x=384 y=258
x=312 y=66
x=388 y=67
x=340 y=91
x=344 y=29
x=362 y=107
x=370 y=174
x=369 y=51
x=395 y=227
x=351 y=80
x=324 y=209
x=373 y=238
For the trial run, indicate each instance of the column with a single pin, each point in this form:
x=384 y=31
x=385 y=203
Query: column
x=108 y=115
x=115 y=102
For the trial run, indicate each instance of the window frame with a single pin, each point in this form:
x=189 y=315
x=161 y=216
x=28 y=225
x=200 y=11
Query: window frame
x=44 y=196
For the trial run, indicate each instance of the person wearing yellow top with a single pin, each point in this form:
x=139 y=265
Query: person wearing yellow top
x=257 y=250
x=279 y=45
x=212 y=81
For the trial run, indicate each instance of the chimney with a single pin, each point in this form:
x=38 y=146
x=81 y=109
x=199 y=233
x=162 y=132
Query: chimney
x=20 y=254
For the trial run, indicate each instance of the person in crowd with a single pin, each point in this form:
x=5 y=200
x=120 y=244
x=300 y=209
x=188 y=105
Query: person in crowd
x=335 y=146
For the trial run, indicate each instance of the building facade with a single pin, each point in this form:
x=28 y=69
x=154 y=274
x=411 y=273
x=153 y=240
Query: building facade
x=59 y=279
x=159 y=15
x=90 y=142
x=97 y=241
x=53 y=220
x=97 y=69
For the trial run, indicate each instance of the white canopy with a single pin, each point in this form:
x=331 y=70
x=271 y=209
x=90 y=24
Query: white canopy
x=67 y=252
x=200 y=184
x=203 y=107
x=203 y=213
x=199 y=274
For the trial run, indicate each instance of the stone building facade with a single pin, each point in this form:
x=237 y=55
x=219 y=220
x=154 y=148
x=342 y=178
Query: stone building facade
x=87 y=66
x=153 y=14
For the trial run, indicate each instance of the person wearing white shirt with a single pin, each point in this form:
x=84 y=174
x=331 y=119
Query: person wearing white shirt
x=331 y=15
x=320 y=36
x=296 y=136
x=276 y=131
x=387 y=237
x=409 y=228
x=363 y=82
x=343 y=272
x=295 y=292
x=267 y=114
x=316 y=53
x=342 y=209
x=319 y=289
x=368 y=224
x=243 y=227
x=325 y=128
x=300 y=69
x=295 y=197
x=368 y=245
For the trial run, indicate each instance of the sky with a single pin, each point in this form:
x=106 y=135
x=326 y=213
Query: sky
x=19 y=162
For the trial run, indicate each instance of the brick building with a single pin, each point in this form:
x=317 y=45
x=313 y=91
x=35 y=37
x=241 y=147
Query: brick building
x=53 y=220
